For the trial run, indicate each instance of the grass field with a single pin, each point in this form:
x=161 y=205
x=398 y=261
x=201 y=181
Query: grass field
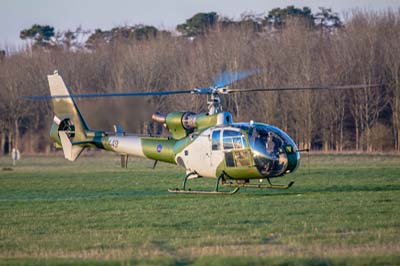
x=342 y=210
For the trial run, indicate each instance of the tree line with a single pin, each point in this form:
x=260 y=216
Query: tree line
x=293 y=47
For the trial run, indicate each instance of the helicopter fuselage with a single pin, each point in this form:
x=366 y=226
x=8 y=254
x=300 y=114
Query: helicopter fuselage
x=205 y=145
x=240 y=150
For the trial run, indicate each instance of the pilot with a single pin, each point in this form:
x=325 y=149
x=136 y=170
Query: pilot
x=270 y=144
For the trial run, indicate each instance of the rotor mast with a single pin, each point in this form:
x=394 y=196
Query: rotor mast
x=214 y=103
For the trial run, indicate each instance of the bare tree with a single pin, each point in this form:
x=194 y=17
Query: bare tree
x=365 y=50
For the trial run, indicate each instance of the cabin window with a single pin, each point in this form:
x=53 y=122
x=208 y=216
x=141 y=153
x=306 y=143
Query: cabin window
x=216 y=140
x=229 y=159
x=233 y=140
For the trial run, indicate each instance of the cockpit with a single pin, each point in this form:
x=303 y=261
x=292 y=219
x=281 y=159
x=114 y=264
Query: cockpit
x=274 y=152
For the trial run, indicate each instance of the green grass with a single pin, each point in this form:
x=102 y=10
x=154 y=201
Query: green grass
x=342 y=210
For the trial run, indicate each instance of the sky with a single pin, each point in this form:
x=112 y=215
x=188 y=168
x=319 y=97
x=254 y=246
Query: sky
x=16 y=15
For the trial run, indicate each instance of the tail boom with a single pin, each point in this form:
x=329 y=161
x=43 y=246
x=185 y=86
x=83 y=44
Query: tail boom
x=130 y=145
x=71 y=132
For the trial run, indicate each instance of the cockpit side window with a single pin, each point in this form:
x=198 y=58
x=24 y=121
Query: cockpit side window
x=231 y=133
x=216 y=140
x=233 y=140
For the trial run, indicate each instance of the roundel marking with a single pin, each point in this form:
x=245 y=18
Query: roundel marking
x=159 y=147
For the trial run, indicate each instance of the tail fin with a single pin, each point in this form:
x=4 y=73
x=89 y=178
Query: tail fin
x=69 y=127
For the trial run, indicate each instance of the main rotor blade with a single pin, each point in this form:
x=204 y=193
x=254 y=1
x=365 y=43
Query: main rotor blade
x=115 y=94
x=313 y=88
x=221 y=81
x=228 y=77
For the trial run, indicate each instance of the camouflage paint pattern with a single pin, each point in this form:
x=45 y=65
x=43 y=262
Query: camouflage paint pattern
x=161 y=149
x=174 y=125
x=155 y=148
x=204 y=121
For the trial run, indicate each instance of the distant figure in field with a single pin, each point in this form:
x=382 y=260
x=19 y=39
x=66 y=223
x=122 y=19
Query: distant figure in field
x=15 y=155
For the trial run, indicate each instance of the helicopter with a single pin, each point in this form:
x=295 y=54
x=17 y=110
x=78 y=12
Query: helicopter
x=208 y=144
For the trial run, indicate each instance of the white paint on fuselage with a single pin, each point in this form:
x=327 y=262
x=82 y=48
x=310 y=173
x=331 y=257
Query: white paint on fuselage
x=197 y=156
x=131 y=145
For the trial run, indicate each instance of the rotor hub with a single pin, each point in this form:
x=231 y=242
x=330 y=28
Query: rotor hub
x=214 y=103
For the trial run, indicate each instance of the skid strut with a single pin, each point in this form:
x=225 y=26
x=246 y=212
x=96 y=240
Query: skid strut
x=216 y=191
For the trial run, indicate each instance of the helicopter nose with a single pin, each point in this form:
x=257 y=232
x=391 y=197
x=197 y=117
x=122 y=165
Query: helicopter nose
x=293 y=161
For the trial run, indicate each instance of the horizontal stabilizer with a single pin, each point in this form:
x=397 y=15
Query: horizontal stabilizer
x=71 y=150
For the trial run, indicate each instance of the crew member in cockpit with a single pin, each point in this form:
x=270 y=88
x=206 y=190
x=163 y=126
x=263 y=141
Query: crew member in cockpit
x=270 y=144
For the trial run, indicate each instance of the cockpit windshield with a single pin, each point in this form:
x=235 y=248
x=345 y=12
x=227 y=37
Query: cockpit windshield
x=271 y=147
x=266 y=142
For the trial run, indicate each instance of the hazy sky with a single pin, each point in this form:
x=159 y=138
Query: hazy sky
x=16 y=15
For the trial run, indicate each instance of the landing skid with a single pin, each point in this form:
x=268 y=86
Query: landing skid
x=189 y=191
x=221 y=181
x=271 y=186
x=204 y=192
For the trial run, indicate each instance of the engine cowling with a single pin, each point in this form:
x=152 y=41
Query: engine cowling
x=181 y=124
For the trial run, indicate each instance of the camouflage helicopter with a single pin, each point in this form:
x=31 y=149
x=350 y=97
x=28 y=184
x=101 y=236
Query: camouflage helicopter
x=205 y=144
